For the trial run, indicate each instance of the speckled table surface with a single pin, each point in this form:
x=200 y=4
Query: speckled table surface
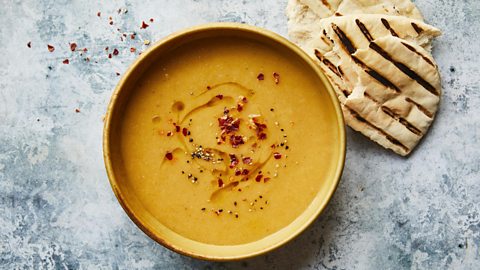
x=57 y=210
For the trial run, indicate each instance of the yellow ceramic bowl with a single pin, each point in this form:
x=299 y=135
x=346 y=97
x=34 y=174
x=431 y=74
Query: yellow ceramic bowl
x=115 y=167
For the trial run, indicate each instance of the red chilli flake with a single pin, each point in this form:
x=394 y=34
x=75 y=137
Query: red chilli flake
x=261 y=77
x=236 y=140
x=29 y=44
x=239 y=107
x=238 y=172
x=228 y=124
x=245 y=172
x=109 y=55
x=233 y=160
x=220 y=182
x=169 y=156
x=66 y=62
x=115 y=52
x=77 y=110
x=185 y=131
x=277 y=155
x=169 y=134
x=118 y=74
x=133 y=50
x=151 y=19
x=73 y=46
x=247 y=160
x=218 y=96
x=144 y=25
x=50 y=48
x=266 y=179
x=276 y=77
x=258 y=178
x=177 y=128
x=99 y=14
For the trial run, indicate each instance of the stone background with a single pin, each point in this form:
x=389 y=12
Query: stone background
x=57 y=210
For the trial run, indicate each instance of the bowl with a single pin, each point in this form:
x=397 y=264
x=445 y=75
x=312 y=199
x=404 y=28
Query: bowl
x=115 y=164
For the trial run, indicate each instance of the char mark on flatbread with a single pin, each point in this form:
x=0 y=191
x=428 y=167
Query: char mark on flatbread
x=420 y=107
x=402 y=121
x=405 y=69
x=377 y=76
x=411 y=48
x=389 y=28
x=381 y=131
x=364 y=30
x=327 y=63
x=417 y=28
x=395 y=116
x=347 y=43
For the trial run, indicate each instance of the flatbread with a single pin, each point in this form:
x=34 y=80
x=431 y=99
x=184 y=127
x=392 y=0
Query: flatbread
x=385 y=78
x=303 y=13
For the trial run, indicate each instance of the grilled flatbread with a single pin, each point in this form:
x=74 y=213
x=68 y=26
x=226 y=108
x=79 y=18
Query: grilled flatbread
x=303 y=13
x=386 y=80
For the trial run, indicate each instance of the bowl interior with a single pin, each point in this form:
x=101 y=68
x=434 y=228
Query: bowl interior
x=115 y=162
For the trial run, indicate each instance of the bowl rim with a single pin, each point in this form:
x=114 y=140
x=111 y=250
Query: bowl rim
x=218 y=26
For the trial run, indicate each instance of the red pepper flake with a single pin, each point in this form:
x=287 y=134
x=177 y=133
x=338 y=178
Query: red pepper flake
x=99 y=14
x=66 y=62
x=272 y=146
x=266 y=179
x=185 y=131
x=247 y=160
x=244 y=99
x=29 y=44
x=169 y=156
x=77 y=110
x=109 y=55
x=177 y=128
x=118 y=74
x=133 y=50
x=220 y=182
x=228 y=124
x=209 y=87
x=73 y=46
x=258 y=178
x=85 y=49
x=236 y=140
x=276 y=77
x=245 y=172
x=132 y=36
x=151 y=19
x=262 y=136
x=106 y=48
x=238 y=172
x=239 y=107
x=233 y=160
x=111 y=22
x=260 y=77
x=277 y=155
x=169 y=134
x=218 y=96
x=144 y=25
x=50 y=48
x=115 y=52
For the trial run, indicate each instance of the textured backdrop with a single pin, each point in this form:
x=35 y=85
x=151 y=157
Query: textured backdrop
x=57 y=210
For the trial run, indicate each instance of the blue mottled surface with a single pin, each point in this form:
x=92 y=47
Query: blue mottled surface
x=57 y=210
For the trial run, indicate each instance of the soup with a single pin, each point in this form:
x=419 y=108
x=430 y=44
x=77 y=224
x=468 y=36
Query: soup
x=226 y=140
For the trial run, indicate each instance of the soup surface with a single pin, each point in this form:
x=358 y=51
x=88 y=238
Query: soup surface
x=226 y=140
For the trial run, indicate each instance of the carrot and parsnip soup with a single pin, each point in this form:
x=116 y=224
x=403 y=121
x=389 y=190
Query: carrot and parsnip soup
x=225 y=141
